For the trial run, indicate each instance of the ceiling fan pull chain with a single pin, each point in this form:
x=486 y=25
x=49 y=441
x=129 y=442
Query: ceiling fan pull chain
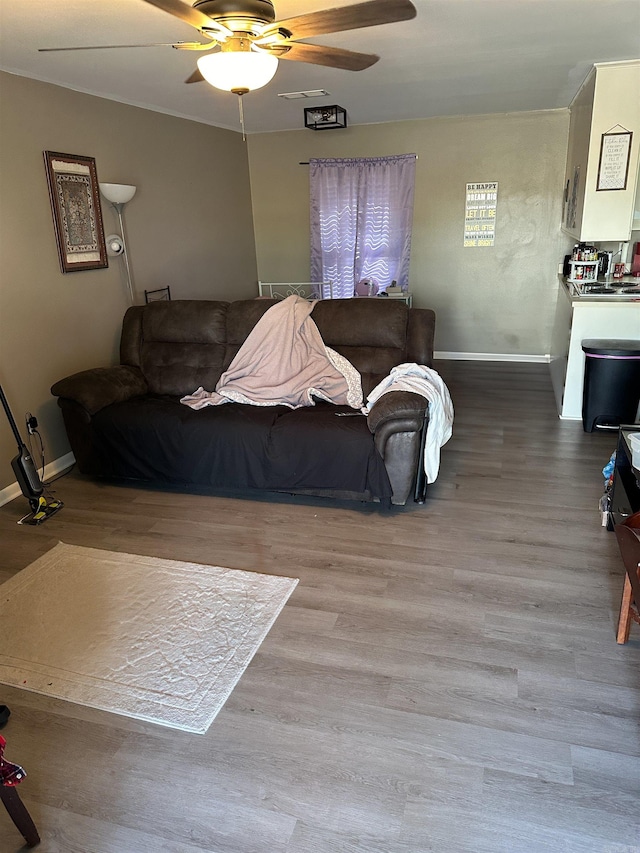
x=241 y=109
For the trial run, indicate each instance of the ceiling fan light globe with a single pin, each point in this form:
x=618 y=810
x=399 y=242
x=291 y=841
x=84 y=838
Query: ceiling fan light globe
x=230 y=71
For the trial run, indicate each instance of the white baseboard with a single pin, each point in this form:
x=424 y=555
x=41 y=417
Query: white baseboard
x=13 y=490
x=492 y=356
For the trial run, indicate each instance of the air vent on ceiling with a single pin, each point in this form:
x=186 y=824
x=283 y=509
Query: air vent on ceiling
x=310 y=93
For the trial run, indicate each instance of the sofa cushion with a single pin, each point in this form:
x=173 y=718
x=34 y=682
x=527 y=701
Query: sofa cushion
x=240 y=447
x=183 y=345
x=371 y=334
x=99 y=387
x=362 y=322
x=242 y=316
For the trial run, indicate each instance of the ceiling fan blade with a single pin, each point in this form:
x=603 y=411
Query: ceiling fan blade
x=196 y=77
x=190 y=15
x=178 y=45
x=368 y=14
x=332 y=57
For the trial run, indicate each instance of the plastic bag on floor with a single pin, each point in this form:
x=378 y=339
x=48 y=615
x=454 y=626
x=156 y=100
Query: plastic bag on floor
x=605 y=500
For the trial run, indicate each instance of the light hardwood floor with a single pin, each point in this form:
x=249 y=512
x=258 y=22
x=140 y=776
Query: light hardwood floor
x=444 y=678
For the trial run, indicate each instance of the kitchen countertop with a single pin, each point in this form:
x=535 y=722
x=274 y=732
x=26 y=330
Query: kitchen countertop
x=618 y=296
x=579 y=318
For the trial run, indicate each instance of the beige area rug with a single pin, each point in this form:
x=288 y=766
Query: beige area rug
x=153 y=639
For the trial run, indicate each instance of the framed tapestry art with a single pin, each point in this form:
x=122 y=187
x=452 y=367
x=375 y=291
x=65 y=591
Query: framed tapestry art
x=77 y=215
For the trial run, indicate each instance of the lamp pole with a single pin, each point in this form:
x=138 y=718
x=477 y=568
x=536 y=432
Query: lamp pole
x=118 y=207
x=118 y=195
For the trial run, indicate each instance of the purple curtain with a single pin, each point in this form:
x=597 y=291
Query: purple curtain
x=361 y=218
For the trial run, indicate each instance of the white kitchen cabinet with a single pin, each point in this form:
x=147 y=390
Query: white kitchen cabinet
x=608 y=100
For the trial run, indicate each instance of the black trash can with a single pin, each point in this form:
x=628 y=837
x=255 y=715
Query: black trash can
x=611 y=383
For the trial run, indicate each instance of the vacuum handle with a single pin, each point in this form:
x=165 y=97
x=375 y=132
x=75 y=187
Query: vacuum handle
x=11 y=419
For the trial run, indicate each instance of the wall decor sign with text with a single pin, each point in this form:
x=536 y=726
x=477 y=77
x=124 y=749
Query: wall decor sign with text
x=615 y=154
x=77 y=215
x=480 y=214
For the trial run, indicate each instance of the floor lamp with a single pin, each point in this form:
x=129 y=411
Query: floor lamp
x=119 y=195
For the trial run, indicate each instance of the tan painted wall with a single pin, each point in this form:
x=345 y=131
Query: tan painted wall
x=488 y=300
x=188 y=226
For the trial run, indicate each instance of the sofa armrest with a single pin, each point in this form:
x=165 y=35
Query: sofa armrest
x=396 y=420
x=405 y=407
x=97 y=388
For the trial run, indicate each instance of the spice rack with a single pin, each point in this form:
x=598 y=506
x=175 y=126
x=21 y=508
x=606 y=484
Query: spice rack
x=583 y=271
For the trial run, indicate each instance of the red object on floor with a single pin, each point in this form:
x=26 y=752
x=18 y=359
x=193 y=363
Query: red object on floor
x=10 y=776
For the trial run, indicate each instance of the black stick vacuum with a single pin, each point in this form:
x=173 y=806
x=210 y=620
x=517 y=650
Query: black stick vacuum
x=27 y=475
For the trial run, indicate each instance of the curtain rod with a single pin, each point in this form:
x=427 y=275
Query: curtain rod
x=306 y=162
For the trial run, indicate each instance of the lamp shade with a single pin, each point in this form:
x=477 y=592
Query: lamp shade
x=118 y=193
x=241 y=71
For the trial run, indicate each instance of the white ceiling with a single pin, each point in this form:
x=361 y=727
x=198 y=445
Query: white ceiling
x=458 y=57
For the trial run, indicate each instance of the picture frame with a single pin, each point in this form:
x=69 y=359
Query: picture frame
x=613 y=165
x=77 y=214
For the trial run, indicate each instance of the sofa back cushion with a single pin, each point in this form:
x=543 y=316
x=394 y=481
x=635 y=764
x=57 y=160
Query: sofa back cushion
x=242 y=316
x=370 y=333
x=184 y=344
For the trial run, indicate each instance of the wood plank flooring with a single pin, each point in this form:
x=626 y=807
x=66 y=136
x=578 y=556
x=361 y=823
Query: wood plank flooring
x=444 y=678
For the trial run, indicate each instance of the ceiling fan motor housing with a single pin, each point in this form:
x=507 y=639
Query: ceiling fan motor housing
x=223 y=10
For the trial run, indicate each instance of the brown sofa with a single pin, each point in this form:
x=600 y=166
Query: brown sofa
x=126 y=422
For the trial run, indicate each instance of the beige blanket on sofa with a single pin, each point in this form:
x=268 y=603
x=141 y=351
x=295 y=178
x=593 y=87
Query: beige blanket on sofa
x=284 y=362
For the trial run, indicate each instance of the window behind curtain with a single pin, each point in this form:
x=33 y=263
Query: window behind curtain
x=361 y=217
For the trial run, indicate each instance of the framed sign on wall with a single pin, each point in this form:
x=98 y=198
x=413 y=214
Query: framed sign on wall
x=77 y=215
x=481 y=203
x=615 y=154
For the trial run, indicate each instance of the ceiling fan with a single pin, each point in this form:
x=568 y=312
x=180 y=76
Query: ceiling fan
x=245 y=41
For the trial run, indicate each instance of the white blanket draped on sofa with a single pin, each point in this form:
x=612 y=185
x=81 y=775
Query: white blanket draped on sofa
x=427 y=382
x=284 y=362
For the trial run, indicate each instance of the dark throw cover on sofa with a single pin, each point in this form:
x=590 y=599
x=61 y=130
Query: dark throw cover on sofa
x=239 y=447
x=126 y=422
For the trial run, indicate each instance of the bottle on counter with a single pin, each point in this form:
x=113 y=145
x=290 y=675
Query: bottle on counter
x=584 y=253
